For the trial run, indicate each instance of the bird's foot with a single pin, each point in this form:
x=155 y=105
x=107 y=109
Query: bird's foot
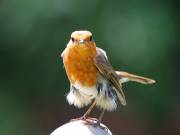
x=89 y=121
x=86 y=119
x=95 y=122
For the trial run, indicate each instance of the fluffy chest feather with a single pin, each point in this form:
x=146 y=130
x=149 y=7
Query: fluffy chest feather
x=79 y=64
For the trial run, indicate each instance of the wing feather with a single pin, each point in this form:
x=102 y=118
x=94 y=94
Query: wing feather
x=102 y=63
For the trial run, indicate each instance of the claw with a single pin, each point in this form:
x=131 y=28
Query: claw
x=80 y=118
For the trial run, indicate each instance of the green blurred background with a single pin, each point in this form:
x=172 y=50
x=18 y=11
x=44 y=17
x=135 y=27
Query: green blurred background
x=139 y=36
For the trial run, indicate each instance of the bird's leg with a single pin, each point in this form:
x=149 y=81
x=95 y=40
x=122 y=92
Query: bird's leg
x=89 y=110
x=96 y=122
x=89 y=120
x=100 y=119
x=101 y=116
x=85 y=116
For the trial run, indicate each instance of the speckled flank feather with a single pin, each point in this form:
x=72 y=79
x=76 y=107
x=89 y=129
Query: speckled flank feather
x=106 y=98
x=106 y=103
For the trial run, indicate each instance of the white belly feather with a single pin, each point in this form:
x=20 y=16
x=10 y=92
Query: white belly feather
x=102 y=92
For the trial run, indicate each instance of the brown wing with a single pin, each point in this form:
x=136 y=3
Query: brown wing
x=105 y=68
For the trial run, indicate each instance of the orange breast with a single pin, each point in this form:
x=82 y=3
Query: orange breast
x=79 y=65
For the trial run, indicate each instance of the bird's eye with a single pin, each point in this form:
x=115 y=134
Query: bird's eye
x=72 y=39
x=90 y=38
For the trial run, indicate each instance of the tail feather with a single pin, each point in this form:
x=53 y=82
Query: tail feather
x=125 y=77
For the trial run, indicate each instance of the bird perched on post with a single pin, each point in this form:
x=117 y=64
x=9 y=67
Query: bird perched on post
x=92 y=78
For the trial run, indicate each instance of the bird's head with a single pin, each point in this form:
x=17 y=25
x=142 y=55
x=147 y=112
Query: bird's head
x=81 y=37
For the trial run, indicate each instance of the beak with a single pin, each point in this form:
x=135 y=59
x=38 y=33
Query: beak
x=81 y=41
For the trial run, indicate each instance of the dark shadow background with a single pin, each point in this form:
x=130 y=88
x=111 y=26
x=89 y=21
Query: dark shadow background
x=139 y=36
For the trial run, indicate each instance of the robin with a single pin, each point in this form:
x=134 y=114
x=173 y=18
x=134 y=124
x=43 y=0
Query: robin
x=92 y=78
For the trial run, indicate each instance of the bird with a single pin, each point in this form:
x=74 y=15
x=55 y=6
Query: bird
x=93 y=80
